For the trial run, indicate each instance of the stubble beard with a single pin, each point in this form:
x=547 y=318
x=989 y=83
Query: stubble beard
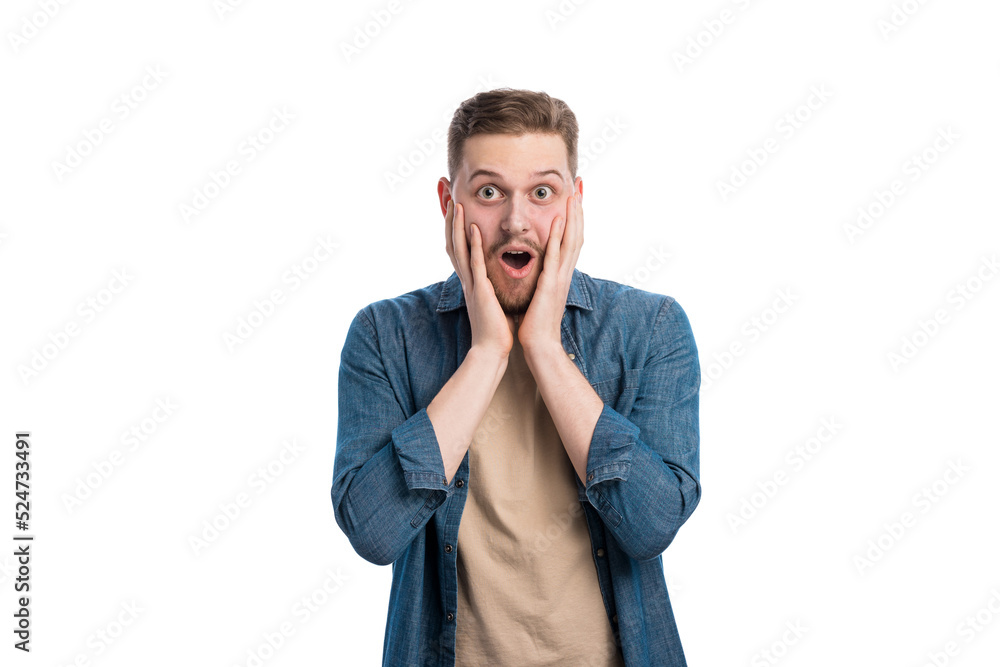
x=512 y=303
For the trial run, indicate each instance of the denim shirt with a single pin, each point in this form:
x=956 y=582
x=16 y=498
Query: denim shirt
x=392 y=500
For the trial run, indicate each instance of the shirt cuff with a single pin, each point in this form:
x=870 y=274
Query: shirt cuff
x=611 y=448
x=419 y=454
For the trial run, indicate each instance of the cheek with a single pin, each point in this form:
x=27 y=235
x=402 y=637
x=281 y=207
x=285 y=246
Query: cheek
x=486 y=220
x=545 y=227
x=558 y=211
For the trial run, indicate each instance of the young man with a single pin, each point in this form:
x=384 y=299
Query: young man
x=520 y=440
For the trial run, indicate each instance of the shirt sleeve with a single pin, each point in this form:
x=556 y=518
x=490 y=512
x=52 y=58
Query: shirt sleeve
x=388 y=475
x=642 y=471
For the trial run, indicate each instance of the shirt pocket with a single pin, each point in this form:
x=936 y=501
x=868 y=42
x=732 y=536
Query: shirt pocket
x=617 y=387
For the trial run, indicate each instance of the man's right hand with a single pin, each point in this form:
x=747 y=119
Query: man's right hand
x=492 y=329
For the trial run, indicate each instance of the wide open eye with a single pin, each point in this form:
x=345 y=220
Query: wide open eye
x=543 y=192
x=488 y=192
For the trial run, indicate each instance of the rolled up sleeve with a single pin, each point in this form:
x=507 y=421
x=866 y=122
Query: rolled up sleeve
x=388 y=475
x=642 y=471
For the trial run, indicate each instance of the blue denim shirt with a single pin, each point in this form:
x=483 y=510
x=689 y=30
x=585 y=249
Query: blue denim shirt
x=391 y=498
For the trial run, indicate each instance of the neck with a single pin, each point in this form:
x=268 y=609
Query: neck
x=514 y=320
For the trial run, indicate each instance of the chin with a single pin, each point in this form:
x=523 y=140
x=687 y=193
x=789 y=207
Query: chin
x=512 y=305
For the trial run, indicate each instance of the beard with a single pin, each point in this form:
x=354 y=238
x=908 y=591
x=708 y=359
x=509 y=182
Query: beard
x=513 y=300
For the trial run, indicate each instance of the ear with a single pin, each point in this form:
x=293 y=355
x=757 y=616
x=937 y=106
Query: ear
x=578 y=187
x=444 y=194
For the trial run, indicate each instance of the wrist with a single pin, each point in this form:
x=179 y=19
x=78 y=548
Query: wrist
x=541 y=350
x=488 y=356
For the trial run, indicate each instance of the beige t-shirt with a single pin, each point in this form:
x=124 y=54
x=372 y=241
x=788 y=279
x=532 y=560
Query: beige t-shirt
x=527 y=583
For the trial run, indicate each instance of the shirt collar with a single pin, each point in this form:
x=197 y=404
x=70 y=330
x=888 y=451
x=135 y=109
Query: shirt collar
x=453 y=297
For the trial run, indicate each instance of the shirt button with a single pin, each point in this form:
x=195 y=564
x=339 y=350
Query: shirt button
x=447 y=548
x=572 y=356
x=600 y=553
x=590 y=477
x=459 y=483
x=451 y=616
x=614 y=618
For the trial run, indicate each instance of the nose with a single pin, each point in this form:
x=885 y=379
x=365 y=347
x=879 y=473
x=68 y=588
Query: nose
x=516 y=221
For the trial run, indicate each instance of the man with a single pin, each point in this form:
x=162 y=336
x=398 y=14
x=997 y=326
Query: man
x=520 y=440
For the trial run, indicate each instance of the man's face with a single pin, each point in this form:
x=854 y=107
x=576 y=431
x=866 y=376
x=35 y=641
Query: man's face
x=512 y=187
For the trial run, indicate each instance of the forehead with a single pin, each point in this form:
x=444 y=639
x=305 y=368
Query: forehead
x=516 y=157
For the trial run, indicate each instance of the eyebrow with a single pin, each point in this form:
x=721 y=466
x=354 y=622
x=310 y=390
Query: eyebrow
x=493 y=174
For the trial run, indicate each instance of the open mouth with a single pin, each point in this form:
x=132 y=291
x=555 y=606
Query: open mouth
x=517 y=263
x=516 y=259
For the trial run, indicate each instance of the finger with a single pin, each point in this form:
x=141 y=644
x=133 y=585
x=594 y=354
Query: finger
x=574 y=232
x=571 y=224
x=449 y=245
x=555 y=242
x=568 y=238
x=477 y=256
x=579 y=208
x=462 y=246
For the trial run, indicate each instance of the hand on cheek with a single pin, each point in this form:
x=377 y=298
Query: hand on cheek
x=490 y=327
x=541 y=327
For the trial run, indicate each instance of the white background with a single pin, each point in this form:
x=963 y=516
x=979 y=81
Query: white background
x=662 y=135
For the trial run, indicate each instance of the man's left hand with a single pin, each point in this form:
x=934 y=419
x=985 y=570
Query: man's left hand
x=540 y=329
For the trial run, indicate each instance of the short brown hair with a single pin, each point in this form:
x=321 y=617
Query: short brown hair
x=509 y=111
